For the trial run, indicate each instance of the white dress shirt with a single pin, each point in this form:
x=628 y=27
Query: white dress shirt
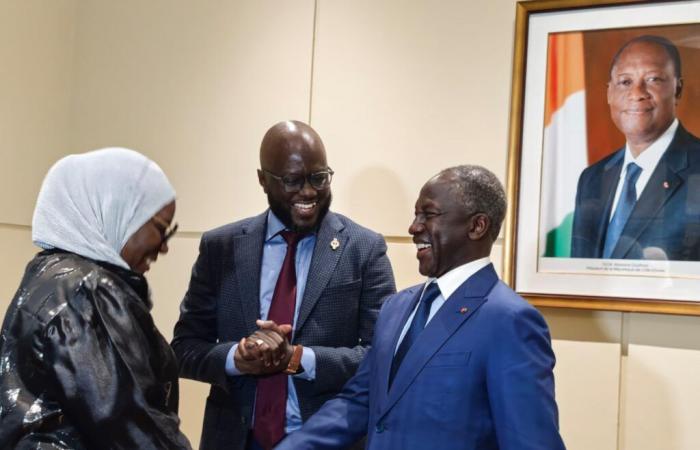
x=647 y=161
x=448 y=284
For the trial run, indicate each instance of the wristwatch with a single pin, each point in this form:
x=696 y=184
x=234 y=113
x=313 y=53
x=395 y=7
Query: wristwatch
x=294 y=361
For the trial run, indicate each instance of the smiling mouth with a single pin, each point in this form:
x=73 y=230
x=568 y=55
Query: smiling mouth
x=422 y=248
x=304 y=208
x=637 y=112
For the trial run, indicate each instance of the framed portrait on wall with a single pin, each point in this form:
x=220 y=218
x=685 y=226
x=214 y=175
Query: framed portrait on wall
x=604 y=157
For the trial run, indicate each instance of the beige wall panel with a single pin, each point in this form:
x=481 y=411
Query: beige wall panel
x=402 y=89
x=194 y=85
x=193 y=396
x=17 y=250
x=662 y=394
x=665 y=331
x=587 y=377
x=587 y=345
x=661 y=383
x=588 y=326
x=36 y=72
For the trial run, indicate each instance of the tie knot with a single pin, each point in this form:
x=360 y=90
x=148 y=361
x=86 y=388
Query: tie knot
x=291 y=237
x=633 y=172
x=430 y=293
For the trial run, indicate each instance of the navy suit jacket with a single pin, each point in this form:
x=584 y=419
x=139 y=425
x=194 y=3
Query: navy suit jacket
x=665 y=221
x=479 y=377
x=342 y=298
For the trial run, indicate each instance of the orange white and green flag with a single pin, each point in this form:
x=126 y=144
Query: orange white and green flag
x=564 y=144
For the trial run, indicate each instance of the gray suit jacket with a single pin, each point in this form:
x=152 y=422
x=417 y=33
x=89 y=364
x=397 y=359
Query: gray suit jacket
x=344 y=292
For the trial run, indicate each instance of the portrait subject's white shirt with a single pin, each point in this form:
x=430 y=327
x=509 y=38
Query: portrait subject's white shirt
x=647 y=161
x=448 y=284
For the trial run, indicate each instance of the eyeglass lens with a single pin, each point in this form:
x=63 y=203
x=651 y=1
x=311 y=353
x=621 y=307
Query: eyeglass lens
x=318 y=181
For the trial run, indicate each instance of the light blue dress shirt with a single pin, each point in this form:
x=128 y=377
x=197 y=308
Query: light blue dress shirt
x=274 y=252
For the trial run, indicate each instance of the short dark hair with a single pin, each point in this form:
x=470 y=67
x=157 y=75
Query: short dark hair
x=481 y=192
x=662 y=42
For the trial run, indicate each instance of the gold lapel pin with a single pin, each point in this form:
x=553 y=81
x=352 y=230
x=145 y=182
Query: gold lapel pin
x=335 y=243
x=463 y=310
x=666 y=185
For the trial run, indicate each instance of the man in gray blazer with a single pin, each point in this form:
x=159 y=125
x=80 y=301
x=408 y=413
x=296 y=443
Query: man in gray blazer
x=328 y=283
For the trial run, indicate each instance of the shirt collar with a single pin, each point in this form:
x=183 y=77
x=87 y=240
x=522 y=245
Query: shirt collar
x=274 y=226
x=650 y=157
x=450 y=281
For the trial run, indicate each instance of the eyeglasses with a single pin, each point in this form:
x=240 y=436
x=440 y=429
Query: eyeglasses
x=295 y=183
x=167 y=230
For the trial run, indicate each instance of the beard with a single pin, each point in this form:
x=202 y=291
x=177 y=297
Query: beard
x=283 y=213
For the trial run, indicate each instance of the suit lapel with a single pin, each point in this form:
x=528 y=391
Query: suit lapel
x=385 y=352
x=247 y=250
x=664 y=182
x=457 y=309
x=323 y=263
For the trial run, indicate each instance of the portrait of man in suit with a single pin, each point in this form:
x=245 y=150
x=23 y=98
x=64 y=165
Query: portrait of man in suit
x=457 y=362
x=298 y=264
x=643 y=201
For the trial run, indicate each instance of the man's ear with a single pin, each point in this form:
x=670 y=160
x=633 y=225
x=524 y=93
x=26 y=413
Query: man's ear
x=478 y=226
x=262 y=180
x=679 y=88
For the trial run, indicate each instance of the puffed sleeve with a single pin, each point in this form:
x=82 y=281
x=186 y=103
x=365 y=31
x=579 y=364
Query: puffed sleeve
x=113 y=374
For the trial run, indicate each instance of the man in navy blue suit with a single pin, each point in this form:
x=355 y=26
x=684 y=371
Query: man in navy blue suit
x=458 y=362
x=643 y=201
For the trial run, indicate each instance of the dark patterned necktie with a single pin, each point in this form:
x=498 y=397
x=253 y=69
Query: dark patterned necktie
x=417 y=325
x=271 y=392
x=625 y=204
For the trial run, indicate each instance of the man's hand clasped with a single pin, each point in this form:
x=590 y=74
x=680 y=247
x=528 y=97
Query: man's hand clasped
x=265 y=352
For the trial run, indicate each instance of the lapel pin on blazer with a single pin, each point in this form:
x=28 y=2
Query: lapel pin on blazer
x=666 y=185
x=463 y=310
x=335 y=243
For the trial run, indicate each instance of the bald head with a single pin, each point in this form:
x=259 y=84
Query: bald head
x=295 y=175
x=290 y=138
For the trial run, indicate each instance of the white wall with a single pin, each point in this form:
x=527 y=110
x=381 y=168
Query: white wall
x=397 y=89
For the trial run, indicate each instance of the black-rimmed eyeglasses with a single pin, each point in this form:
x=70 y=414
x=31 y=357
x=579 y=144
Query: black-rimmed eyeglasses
x=294 y=183
x=167 y=231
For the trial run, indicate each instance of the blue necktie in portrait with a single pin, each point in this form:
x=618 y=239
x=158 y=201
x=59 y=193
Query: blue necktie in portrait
x=417 y=325
x=625 y=204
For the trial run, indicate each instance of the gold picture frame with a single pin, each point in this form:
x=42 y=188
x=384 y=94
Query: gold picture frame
x=621 y=289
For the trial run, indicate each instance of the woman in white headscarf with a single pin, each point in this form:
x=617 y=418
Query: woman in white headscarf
x=82 y=364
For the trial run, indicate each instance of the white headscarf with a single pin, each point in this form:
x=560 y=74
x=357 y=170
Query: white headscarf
x=90 y=204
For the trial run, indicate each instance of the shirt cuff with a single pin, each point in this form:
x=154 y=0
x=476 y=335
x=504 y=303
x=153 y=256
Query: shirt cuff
x=308 y=362
x=231 y=369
